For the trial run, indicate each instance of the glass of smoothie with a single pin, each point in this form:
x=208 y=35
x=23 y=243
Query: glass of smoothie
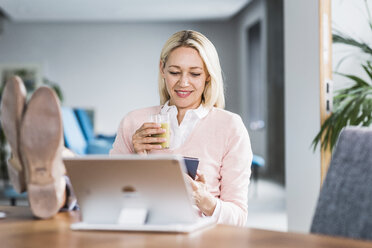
x=163 y=119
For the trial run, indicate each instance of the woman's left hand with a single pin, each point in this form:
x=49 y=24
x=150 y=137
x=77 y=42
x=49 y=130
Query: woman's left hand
x=204 y=200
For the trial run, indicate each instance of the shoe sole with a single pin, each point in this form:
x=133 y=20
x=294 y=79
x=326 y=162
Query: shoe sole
x=16 y=175
x=12 y=108
x=41 y=147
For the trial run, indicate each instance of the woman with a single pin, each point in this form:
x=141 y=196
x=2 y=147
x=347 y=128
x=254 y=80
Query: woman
x=191 y=91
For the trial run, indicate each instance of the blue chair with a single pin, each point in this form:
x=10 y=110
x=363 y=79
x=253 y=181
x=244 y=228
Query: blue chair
x=257 y=162
x=87 y=127
x=13 y=196
x=75 y=139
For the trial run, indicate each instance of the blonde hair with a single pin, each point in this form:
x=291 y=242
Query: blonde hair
x=213 y=94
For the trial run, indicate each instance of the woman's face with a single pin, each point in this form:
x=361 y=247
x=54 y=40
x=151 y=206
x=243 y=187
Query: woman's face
x=185 y=76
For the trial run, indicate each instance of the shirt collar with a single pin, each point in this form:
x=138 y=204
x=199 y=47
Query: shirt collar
x=200 y=112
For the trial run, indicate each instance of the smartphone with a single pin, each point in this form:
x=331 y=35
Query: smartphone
x=192 y=166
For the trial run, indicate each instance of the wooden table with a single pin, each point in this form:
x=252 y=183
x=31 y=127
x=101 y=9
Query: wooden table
x=20 y=229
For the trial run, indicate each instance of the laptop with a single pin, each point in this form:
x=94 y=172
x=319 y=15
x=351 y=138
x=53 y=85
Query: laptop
x=134 y=193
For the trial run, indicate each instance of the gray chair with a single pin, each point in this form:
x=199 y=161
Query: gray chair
x=345 y=202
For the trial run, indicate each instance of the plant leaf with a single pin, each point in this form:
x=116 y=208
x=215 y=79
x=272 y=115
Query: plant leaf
x=343 y=39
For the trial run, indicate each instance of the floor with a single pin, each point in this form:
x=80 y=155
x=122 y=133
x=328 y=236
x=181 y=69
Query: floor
x=266 y=206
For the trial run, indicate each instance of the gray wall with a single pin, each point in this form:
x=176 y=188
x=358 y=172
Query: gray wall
x=111 y=68
x=268 y=141
x=253 y=13
x=275 y=89
x=302 y=113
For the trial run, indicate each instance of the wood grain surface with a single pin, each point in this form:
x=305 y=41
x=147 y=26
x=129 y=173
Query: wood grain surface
x=20 y=229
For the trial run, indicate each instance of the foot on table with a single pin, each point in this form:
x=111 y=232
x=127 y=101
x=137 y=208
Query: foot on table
x=41 y=144
x=12 y=108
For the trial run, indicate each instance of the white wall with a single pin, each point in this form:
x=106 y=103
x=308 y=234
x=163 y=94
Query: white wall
x=302 y=112
x=109 y=67
x=351 y=18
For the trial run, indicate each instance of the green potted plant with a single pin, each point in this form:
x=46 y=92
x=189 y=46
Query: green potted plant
x=353 y=104
x=3 y=151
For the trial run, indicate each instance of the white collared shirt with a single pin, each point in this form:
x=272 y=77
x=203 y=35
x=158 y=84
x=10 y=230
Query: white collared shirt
x=180 y=132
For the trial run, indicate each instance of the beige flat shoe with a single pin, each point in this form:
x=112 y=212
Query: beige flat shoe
x=12 y=108
x=41 y=146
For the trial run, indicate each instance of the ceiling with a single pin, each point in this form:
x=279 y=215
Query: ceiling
x=119 y=10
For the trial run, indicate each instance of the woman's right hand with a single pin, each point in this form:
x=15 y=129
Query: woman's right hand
x=143 y=139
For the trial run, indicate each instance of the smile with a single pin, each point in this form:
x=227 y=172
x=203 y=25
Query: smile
x=183 y=93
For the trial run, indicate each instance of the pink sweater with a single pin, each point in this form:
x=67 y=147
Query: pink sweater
x=221 y=142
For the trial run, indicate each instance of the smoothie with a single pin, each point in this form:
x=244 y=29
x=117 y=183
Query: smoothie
x=166 y=127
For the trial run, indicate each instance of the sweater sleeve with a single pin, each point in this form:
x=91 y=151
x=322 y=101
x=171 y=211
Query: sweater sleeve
x=128 y=126
x=123 y=141
x=235 y=176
